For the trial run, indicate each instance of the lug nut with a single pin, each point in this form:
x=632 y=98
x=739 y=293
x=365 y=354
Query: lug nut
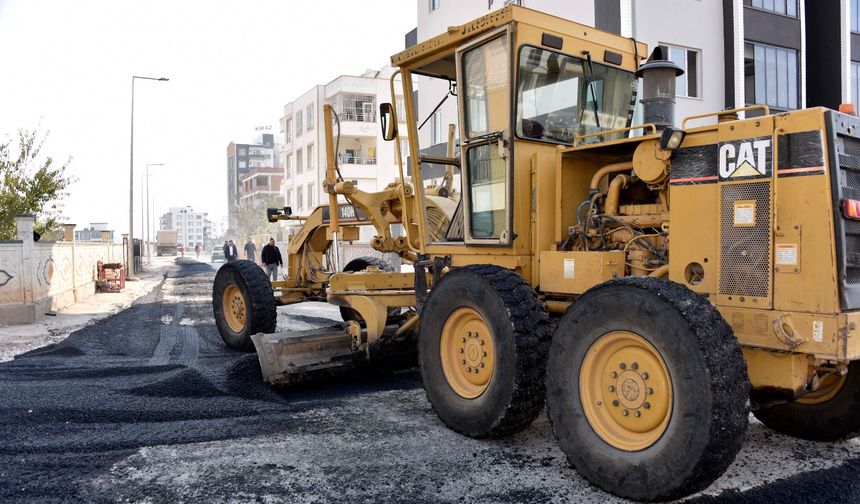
x=637 y=414
x=461 y=350
x=600 y=403
x=615 y=402
x=485 y=354
x=612 y=388
x=647 y=405
x=482 y=364
x=464 y=361
x=469 y=369
x=645 y=375
x=622 y=365
x=482 y=342
x=464 y=340
x=625 y=412
x=613 y=374
x=635 y=366
x=649 y=391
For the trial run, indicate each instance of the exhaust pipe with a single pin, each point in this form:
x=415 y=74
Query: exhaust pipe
x=658 y=82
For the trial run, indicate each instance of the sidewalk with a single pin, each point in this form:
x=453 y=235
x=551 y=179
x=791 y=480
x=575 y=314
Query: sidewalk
x=18 y=339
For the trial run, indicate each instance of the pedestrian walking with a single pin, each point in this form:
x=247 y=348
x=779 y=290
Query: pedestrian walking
x=231 y=254
x=197 y=250
x=271 y=258
x=250 y=251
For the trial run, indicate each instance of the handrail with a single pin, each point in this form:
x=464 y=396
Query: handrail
x=723 y=112
x=619 y=130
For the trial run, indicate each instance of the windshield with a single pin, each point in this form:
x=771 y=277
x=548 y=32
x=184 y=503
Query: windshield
x=560 y=97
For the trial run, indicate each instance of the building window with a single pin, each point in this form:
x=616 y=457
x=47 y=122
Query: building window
x=855 y=81
x=289 y=198
x=288 y=131
x=785 y=7
x=298 y=124
x=310 y=157
x=310 y=114
x=434 y=4
x=299 y=194
x=243 y=152
x=288 y=166
x=299 y=161
x=770 y=76
x=311 y=195
x=688 y=59
x=436 y=135
x=855 y=16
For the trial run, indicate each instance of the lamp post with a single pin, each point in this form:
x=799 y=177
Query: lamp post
x=130 y=257
x=148 y=257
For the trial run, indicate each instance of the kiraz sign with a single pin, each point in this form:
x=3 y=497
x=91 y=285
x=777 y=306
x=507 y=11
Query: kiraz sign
x=742 y=159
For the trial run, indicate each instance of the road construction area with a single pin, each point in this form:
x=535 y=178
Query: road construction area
x=148 y=405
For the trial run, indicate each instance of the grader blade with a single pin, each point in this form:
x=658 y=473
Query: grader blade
x=295 y=356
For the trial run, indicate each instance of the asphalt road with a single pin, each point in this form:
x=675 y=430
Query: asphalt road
x=149 y=406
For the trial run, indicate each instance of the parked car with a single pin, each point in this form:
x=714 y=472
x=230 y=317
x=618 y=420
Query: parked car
x=218 y=254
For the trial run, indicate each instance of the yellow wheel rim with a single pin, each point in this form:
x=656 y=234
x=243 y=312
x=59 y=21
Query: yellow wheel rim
x=467 y=352
x=828 y=388
x=233 y=303
x=626 y=390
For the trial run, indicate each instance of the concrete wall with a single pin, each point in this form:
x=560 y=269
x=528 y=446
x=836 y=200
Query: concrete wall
x=36 y=277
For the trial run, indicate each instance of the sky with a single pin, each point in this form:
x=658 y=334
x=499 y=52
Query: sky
x=67 y=69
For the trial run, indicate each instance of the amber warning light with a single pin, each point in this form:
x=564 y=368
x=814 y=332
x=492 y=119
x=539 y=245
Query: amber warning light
x=851 y=209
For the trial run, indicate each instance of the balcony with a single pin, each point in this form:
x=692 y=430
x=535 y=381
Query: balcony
x=356 y=114
x=356 y=160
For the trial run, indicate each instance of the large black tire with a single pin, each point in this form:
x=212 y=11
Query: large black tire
x=708 y=390
x=517 y=322
x=361 y=264
x=831 y=417
x=259 y=314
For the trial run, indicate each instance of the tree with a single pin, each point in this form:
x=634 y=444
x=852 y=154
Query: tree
x=31 y=185
x=251 y=217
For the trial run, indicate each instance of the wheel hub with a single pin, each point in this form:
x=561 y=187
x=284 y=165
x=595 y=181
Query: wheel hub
x=234 y=308
x=467 y=353
x=626 y=390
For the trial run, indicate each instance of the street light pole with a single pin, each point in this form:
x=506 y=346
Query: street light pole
x=130 y=257
x=148 y=257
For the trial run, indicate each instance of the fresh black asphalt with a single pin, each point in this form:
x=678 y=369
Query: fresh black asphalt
x=157 y=374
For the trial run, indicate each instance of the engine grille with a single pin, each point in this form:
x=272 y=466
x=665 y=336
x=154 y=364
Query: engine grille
x=745 y=251
x=848 y=150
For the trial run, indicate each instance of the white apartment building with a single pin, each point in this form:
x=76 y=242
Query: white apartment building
x=191 y=227
x=786 y=54
x=362 y=155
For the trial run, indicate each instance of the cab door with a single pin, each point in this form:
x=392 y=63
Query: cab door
x=484 y=75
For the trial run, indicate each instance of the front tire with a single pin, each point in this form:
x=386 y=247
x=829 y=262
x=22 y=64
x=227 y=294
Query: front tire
x=831 y=413
x=647 y=389
x=243 y=303
x=482 y=350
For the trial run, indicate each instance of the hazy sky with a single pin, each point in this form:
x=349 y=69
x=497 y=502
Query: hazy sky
x=233 y=65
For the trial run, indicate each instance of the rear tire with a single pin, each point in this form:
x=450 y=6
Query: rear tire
x=830 y=414
x=491 y=318
x=361 y=264
x=243 y=303
x=647 y=389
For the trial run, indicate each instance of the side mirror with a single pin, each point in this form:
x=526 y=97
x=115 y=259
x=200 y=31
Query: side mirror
x=388 y=120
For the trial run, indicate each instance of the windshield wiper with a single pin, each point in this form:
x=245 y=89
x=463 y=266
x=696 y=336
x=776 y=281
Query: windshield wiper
x=590 y=80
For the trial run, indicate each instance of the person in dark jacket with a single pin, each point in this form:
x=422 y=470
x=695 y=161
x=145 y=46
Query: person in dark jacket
x=250 y=251
x=230 y=252
x=271 y=257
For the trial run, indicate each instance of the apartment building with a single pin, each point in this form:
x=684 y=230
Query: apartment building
x=362 y=155
x=247 y=161
x=191 y=227
x=93 y=233
x=785 y=54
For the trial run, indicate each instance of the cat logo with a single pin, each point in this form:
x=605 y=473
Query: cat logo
x=745 y=158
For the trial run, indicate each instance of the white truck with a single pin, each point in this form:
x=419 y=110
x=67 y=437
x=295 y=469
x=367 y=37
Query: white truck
x=165 y=243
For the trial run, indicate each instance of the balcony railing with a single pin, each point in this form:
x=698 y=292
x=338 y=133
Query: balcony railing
x=343 y=159
x=358 y=115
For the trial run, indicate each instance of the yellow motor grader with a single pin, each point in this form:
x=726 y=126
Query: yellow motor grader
x=650 y=283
